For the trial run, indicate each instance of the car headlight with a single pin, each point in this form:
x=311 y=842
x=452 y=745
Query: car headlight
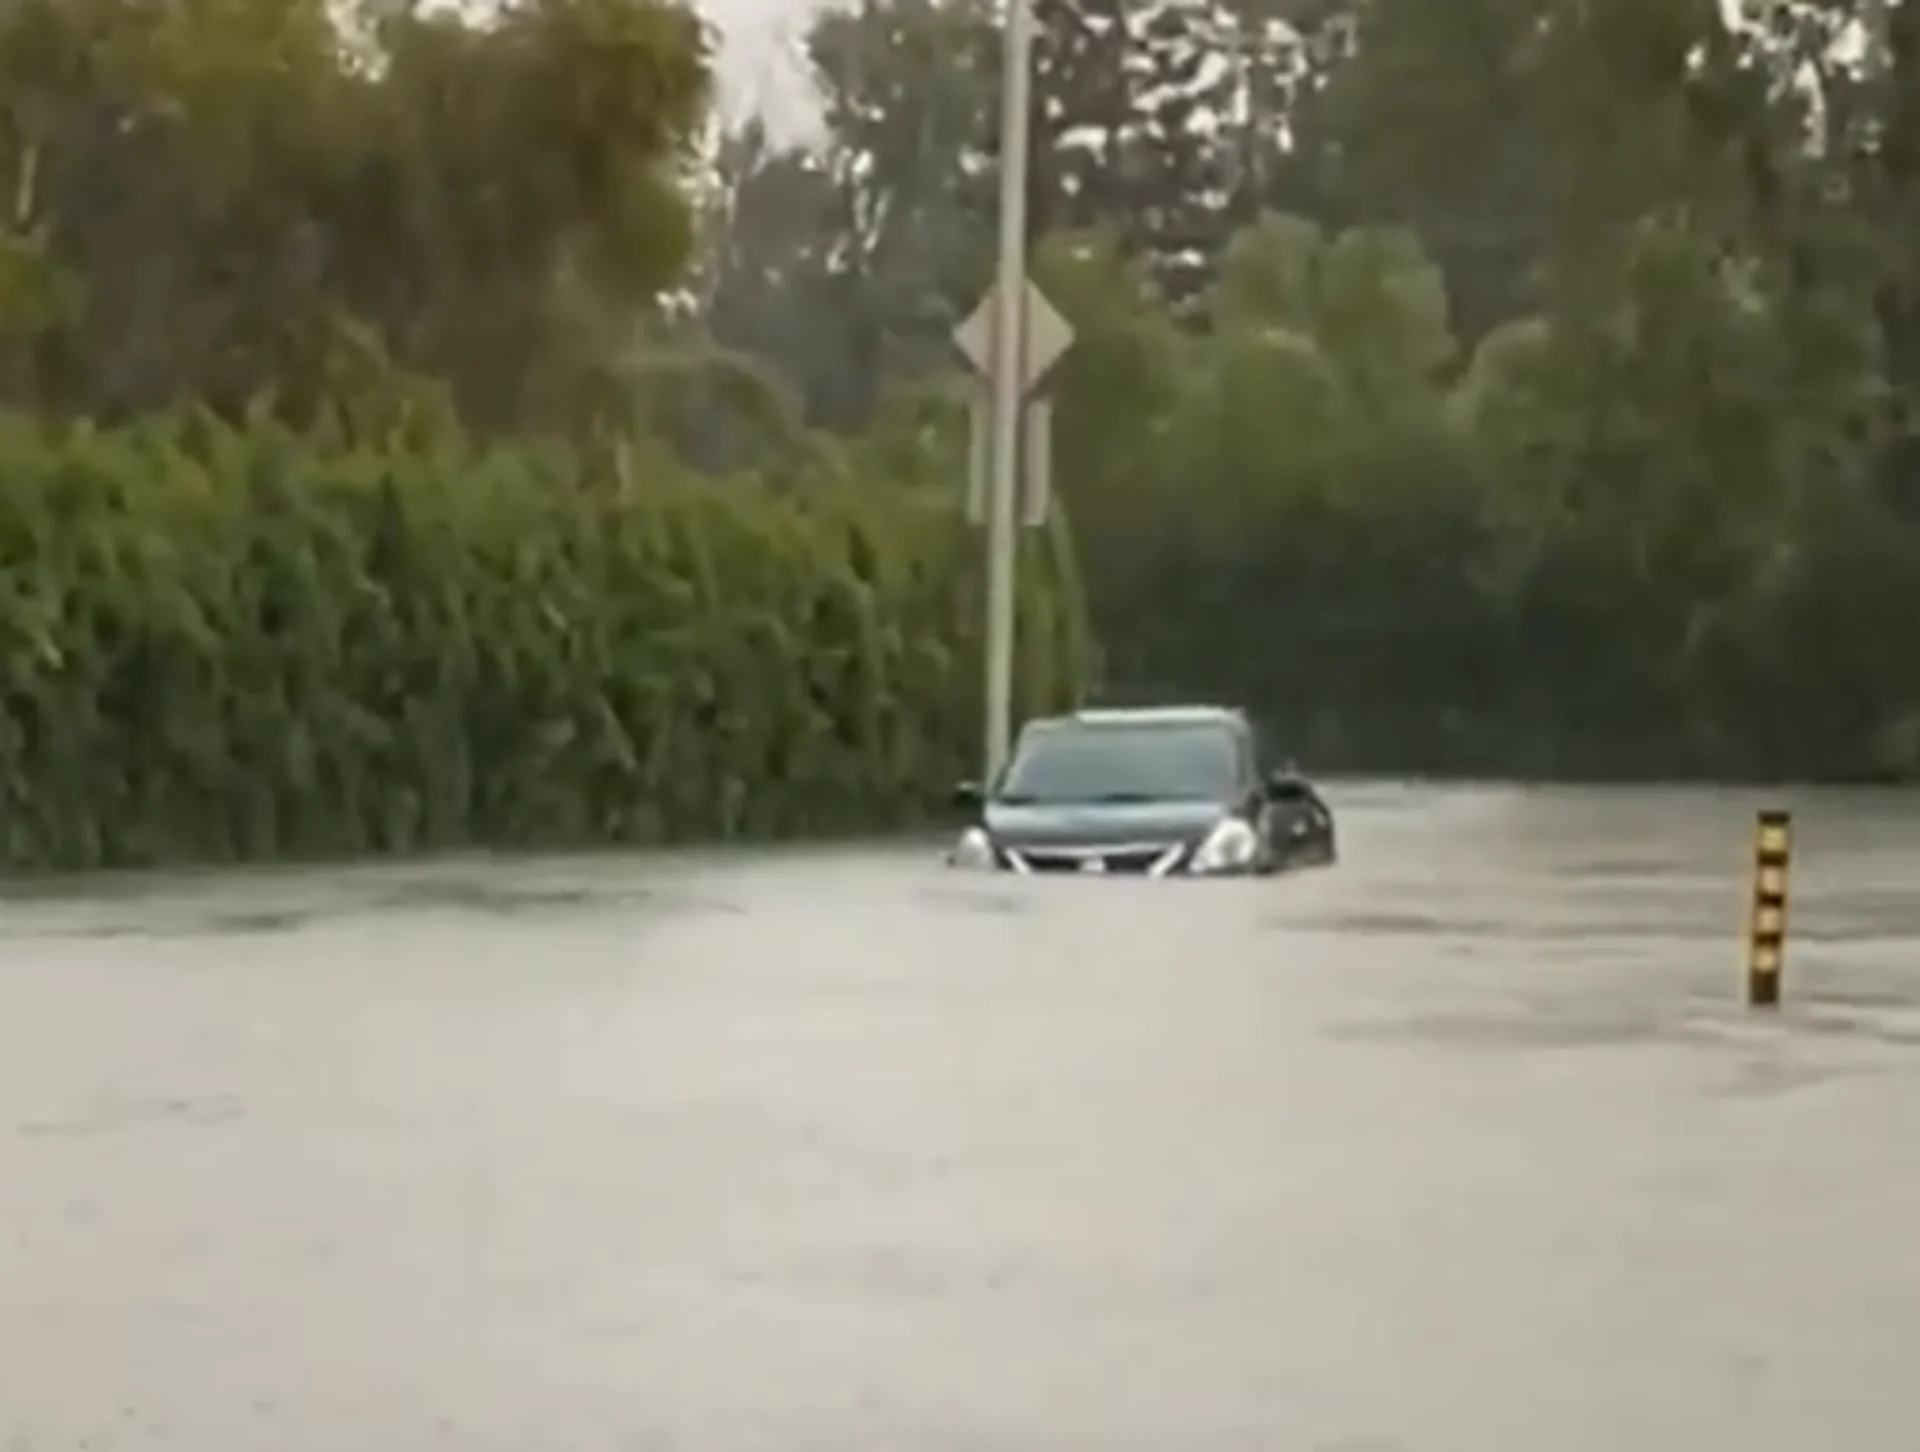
x=1229 y=847
x=974 y=849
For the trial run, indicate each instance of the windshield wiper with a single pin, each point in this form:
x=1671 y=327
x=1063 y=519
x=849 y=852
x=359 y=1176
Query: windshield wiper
x=1126 y=799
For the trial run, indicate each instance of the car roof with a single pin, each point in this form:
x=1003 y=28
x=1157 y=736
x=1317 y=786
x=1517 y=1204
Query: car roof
x=1147 y=716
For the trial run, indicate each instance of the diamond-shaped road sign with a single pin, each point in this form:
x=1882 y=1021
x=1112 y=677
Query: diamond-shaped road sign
x=1048 y=336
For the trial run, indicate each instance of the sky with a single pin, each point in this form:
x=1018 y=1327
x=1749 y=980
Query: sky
x=760 y=69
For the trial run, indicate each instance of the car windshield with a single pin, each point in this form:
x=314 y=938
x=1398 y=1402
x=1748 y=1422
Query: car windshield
x=1183 y=761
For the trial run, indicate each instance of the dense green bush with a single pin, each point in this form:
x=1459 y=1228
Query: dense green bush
x=1642 y=538
x=240 y=644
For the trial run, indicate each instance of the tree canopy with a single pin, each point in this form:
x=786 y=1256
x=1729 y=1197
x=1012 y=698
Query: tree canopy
x=218 y=199
x=1510 y=385
x=1516 y=385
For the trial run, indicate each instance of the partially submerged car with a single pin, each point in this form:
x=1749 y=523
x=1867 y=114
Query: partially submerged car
x=1155 y=792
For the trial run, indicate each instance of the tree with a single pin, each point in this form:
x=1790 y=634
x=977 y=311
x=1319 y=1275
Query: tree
x=848 y=262
x=210 y=190
x=777 y=283
x=1541 y=386
x=1132 y=103
x=911 y=88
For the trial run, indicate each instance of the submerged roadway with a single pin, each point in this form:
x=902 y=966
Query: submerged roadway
x=1464 y=1146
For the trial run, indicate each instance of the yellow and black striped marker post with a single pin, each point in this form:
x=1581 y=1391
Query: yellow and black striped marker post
x=1767 y=933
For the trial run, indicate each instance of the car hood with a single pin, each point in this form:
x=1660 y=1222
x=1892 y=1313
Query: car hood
x=1100 y=824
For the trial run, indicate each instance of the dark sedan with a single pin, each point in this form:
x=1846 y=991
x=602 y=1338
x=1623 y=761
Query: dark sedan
x=1163 y=792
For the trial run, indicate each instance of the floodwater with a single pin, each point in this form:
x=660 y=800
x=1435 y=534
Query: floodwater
x=1466 y=1145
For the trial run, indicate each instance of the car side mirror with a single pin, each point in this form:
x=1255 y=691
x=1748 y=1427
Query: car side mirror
x=1284 y=786
x=968 y=796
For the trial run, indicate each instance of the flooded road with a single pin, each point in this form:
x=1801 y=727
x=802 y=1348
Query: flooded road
x=1464 y=1146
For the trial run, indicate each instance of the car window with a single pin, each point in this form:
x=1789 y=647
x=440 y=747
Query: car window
x=1158 y=762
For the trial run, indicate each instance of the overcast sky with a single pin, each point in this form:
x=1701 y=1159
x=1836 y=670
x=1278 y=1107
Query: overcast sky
x=759 y=66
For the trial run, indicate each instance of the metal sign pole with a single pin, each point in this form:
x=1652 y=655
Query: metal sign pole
x=1008 y=385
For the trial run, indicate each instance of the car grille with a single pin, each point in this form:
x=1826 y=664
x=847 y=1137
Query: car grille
x=1134 y=861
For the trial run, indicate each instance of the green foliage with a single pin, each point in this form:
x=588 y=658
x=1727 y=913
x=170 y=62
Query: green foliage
x=1541 y=389
x=193 y=197
x=1634 y=537
x=405 y=444
x=244 y=644
x=364 y=489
